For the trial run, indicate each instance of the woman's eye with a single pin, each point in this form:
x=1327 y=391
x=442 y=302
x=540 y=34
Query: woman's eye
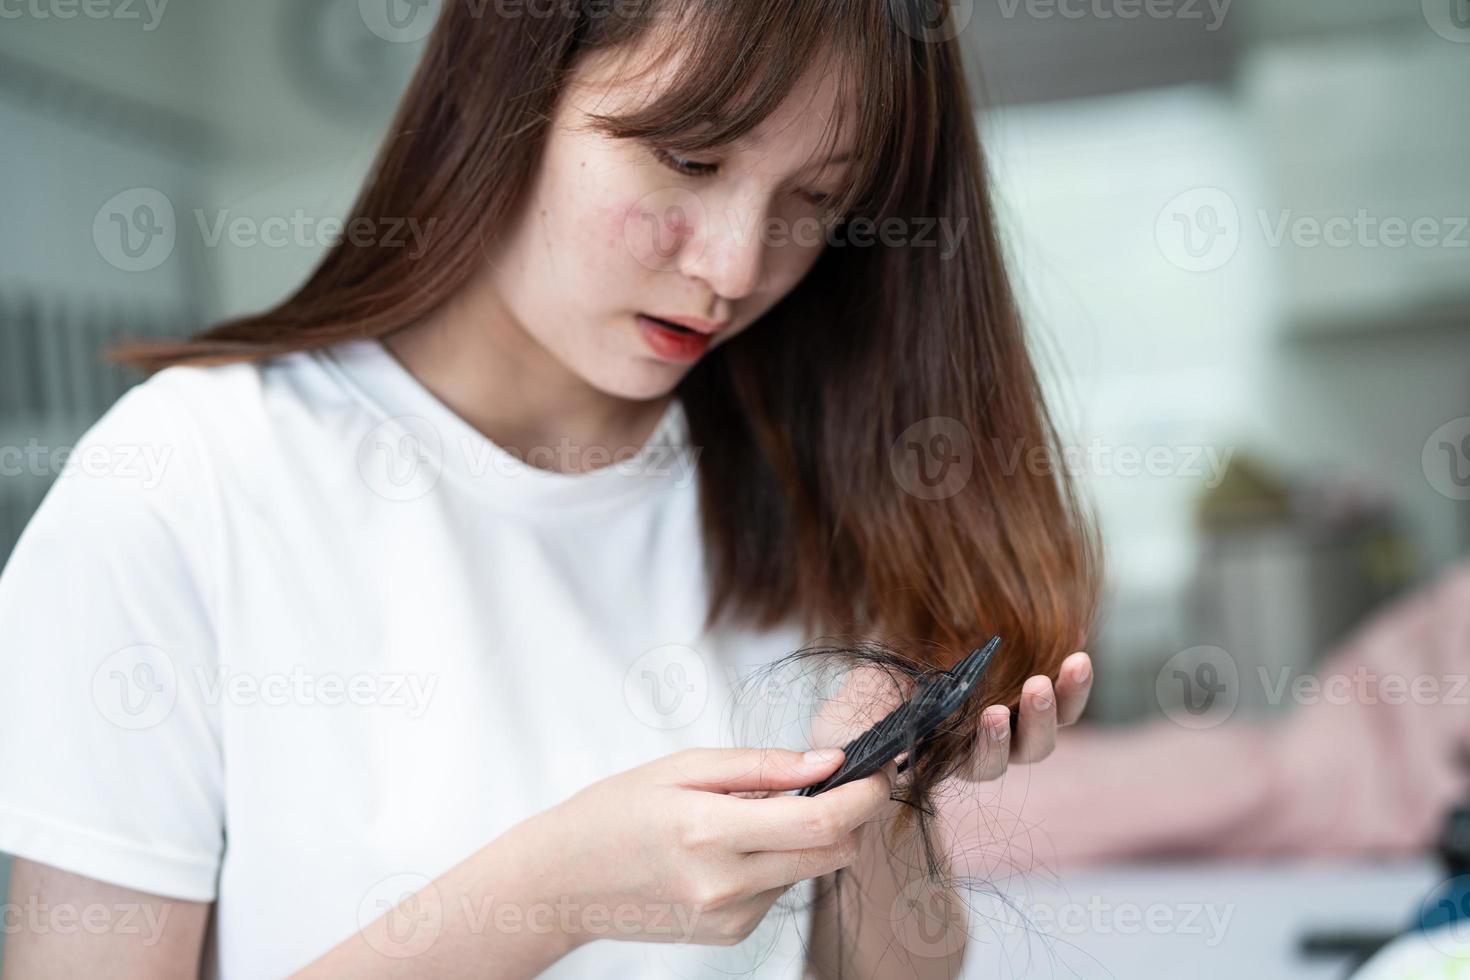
x=691 y=168
x=695 y=168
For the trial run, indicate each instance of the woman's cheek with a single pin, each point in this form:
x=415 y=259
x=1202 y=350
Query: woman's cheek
x=788 y=265
x=655 y=227
x=588 y=239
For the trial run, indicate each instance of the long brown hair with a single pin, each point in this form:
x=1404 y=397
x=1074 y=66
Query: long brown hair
x=815 y=422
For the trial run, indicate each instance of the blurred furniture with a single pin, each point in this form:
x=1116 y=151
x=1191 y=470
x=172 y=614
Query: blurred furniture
x=1287 y=569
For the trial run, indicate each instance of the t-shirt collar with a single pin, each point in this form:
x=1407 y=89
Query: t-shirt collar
x=405 y=407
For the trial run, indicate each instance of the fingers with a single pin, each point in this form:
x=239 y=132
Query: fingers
x=1036 y=732
x=993 y=744
x=794 y=823
x=1074 y=686
x=1044 y=708
x=781 y=869
x=747 y=770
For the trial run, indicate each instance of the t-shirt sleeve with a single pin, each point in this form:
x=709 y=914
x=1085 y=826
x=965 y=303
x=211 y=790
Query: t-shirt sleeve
x=110 y=756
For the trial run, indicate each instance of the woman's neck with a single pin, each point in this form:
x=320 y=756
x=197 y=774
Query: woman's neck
x=491 y=372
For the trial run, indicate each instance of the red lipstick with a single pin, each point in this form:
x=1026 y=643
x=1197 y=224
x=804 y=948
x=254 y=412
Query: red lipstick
x=674 y=341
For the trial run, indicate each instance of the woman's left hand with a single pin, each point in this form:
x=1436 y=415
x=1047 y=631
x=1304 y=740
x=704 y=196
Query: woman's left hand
x=1044 y=708
x=869 y=694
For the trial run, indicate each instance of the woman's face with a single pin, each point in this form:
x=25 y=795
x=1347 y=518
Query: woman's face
x=615 y=230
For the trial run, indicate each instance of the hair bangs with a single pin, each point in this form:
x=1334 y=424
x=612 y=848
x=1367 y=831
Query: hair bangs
x=720 y=87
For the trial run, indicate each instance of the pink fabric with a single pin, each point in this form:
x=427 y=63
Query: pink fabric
x=1365 y=777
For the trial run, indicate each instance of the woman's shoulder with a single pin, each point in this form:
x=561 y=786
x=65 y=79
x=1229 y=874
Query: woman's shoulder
x=242 y=392
x=186 y=427
x=240 y=406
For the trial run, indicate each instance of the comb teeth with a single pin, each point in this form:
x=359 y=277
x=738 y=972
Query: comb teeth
x=938 y=696
x=967 y=673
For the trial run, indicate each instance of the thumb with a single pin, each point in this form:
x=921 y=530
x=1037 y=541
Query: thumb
x=739 y=770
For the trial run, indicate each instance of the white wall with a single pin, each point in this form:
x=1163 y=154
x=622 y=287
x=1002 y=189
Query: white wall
x=1142 y=353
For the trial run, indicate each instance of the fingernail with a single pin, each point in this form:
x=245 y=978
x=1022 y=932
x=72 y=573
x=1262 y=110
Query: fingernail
x=1041 y=701
x=821 y=757
x=1082 y=672
x=999 y=730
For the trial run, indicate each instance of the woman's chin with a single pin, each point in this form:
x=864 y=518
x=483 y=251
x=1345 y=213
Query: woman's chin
x=645 y=380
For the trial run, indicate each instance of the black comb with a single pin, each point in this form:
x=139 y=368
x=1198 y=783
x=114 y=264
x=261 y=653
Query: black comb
x=939 y=695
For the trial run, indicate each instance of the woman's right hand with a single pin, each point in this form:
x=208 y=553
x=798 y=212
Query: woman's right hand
x=667 y=852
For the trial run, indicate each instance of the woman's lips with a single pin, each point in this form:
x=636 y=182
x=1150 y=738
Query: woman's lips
x=670 y=342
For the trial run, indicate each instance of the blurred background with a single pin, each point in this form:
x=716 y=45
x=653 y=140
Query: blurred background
x=1239 y=228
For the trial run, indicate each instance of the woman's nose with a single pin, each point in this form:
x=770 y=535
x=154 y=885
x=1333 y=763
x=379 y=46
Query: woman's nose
x=727 y=249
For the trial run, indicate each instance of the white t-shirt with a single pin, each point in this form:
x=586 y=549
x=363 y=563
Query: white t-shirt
x=295 y=638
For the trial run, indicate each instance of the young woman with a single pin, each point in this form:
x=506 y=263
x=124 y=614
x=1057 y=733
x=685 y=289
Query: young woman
x=397 y=631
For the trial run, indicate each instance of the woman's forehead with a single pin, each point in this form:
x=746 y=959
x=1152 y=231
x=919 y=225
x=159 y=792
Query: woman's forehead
x=815 y=109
